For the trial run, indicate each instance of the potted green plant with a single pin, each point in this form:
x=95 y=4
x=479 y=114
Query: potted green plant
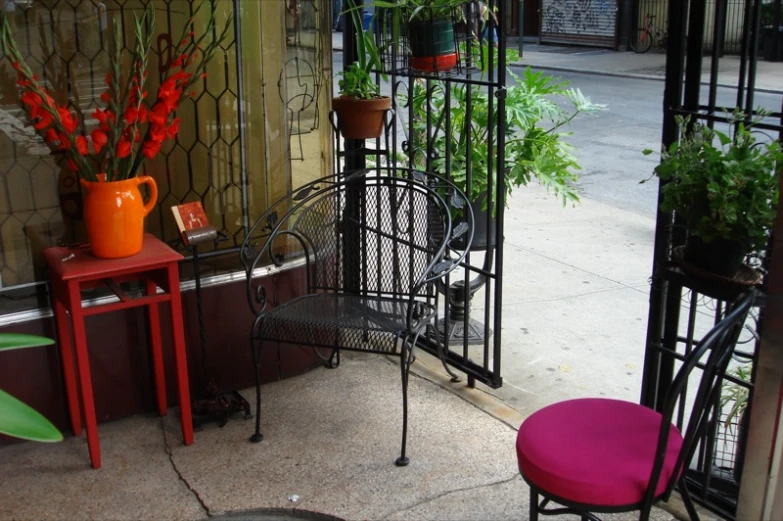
x=724 y=188
x=429 y=26
x=360 y=108
x=534 y=148
x=16 y=418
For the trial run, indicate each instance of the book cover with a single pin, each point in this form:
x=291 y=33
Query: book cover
x=193 y=224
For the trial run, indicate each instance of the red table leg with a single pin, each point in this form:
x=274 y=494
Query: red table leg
x=66 y=354
x=180 y=356
x=153 y=313
x=83 y=365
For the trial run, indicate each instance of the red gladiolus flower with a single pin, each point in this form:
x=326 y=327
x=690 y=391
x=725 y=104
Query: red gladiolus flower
x=179 y=60
x=172 y=103
x=159 y=114
x=167 y=88
x=123 y=148
x=62 y=140
x=106 y=97
x=51 y=136
x=31 y=99
x=99 y=140
x=157 y=133
x=81 y=145
x=150 y=149
x=143 y=114
x=173 y=128
x=101 y=116
x=72 y=166
x=131 y=115
x=108 y=79
x=180 y=75
x=69 y=124
x=44 y=118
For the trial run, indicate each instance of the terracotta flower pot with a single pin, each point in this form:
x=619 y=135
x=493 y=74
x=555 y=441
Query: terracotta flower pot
x=114 y=213
x=360 y=118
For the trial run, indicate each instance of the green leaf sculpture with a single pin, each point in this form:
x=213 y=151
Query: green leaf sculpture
x=16 y=418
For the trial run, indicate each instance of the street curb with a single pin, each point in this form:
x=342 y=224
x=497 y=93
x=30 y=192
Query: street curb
x=596 y=72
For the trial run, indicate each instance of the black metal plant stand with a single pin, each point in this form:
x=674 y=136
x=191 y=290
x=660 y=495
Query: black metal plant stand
x=216 y=406
x=455 y=327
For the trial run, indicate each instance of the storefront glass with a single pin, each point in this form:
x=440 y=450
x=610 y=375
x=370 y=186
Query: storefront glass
x=256 y=126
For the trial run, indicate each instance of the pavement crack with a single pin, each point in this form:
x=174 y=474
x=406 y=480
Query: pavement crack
x=192 y=490
x=449 y=492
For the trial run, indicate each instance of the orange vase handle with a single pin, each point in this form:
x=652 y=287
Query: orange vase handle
x=145 y=179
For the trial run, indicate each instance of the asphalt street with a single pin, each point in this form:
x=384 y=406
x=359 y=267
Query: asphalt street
x=609 y=144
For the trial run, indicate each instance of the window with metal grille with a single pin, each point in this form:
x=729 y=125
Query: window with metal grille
x=251 y=130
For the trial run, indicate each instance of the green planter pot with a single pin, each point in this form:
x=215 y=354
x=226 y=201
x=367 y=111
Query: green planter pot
x=482 y=219
x=432 y=45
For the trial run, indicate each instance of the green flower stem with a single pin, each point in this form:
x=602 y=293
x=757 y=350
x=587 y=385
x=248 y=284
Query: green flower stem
x=114 y=104
x=143 y=45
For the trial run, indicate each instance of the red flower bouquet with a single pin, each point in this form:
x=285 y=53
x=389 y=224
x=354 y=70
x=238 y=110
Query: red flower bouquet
x=131 y=126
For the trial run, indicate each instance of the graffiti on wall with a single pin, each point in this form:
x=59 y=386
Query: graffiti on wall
x=579 y=17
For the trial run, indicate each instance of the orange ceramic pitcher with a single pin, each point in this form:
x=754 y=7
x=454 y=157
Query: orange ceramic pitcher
x=114 y=213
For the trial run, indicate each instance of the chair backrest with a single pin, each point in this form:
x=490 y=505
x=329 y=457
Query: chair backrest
x=712 y=355
x=375 y=235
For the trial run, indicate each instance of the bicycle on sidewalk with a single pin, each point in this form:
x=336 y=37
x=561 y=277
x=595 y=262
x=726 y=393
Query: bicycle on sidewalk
x=641 y=41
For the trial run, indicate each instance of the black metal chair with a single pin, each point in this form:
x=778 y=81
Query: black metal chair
x=374 y=246
x=603 y=455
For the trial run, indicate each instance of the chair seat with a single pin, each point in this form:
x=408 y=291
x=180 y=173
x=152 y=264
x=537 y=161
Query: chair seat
x=594 y=451
x=351 y=322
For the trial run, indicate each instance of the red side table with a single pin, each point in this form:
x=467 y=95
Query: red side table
x=74 y=270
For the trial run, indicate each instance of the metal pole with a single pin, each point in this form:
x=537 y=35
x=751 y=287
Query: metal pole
x=241 y=118
x=521 y=27
x=354 y=160
x=200 y=313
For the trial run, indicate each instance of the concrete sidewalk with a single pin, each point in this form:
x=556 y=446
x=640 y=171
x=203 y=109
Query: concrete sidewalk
x=650 y=65
x=331 y=437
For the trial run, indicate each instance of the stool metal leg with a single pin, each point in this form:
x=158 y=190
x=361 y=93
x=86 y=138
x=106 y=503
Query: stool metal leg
x=66 y=355
x=180 y=356
x=83 y=366
x=153 y=313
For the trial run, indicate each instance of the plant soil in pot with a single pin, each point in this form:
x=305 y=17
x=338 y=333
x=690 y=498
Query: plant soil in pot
x=432 y=45
x=720 y=256
x=360 y=118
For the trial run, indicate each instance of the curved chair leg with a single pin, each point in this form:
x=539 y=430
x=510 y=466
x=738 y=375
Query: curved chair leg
x=533 y=504
x=257 y=436
x=442 y=353
x=405 y=365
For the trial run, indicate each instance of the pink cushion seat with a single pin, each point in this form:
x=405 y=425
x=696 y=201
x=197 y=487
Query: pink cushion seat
x=594 y=451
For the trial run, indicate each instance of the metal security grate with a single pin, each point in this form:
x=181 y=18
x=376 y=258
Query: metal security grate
x=734 y=25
